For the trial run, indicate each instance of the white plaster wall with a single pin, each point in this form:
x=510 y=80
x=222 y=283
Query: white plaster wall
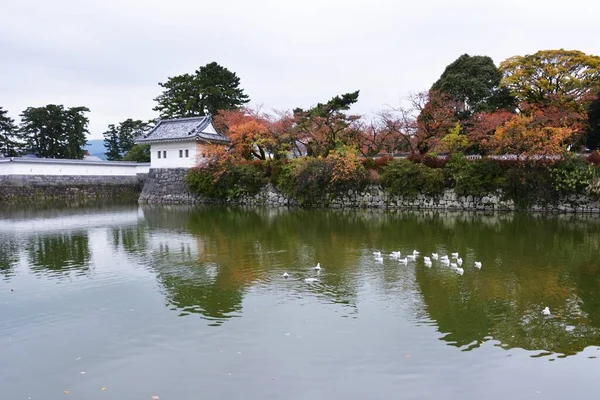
x=55 y=167
x=173 y=160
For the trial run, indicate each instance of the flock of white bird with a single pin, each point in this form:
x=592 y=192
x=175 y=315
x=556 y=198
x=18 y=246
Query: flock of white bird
x=454 y=262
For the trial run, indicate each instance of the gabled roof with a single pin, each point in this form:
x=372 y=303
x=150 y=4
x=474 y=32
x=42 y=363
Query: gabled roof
x=183 y=129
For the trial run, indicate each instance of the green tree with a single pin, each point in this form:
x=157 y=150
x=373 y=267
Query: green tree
x=324 y=127
x=138 y=153
x=54 y=132
x=119 y=140
x=594 y=123
x=111 y=143
x=473 y=81
x=210 y=89
x=552 y=76
x=8 y=132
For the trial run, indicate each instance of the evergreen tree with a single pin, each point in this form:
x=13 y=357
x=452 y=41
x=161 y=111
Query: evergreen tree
x=473 y=82
x=138 y=153
x=119 y=140
x=54 y=132
x=210 y=89
x=8 y=132
x=111 y=143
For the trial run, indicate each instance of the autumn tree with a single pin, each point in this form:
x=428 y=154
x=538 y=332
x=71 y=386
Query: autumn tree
x=564 y=77
x=210 y=89
x=482 y=127
x=380 y=135
x=324 y=127
x=527 y=135
x=54 y=131
x=473 y=82
x=8 y=134
x=420 y=124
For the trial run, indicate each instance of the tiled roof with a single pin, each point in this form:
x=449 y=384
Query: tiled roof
x=183 y=129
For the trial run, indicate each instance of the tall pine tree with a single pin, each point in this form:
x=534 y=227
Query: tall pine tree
x=8 y=132
x=210 y=89
x=55 y=132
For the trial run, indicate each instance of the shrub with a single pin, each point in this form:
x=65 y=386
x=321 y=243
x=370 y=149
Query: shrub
x=311 y=180
x=306 y=178
x=408 y=179
x=227 y=181
x=571 y=175
x=528 y=184
x=476 y=177
x=348 y=171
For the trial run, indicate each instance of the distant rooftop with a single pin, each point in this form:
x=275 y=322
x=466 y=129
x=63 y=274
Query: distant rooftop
x=183 y=129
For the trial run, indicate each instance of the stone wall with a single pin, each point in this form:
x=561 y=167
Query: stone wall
x=36 y=188
x=167 y=186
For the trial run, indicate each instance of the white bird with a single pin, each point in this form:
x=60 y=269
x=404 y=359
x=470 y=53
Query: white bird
x=403 y=260
x=285 y=275
x=377 y=253
x=379 y=259
x=411 y=257
x=445 y=261
x=311 y=280
x=546 y=311
x=427 y=259
x=460 y=271
x=444 y=257
x=395 y=254
x=453 y=265
x=454 y=255
x=415 y=253
x=428 y=263
x=318 y=267
x=477 y=264
x=435 y=256
x=459 y=261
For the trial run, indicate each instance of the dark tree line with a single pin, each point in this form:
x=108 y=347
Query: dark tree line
x=52 y=131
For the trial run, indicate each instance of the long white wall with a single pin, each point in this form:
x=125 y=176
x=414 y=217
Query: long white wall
x=71 y=167
x=173 y=160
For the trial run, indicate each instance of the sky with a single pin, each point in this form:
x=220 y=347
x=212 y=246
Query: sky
x=109 y=55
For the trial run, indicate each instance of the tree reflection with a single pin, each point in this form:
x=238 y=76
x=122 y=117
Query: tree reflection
x=529 y=263
x=236 y=249
x=60 y=254
x=133 y=240
x=9 y=256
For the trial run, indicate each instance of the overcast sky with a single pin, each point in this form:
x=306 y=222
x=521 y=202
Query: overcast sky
x=109 y=55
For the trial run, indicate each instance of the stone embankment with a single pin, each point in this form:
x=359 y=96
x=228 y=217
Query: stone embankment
x=39 y=188
x=167 y=186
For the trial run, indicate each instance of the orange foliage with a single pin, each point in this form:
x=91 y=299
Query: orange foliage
x=254 y=134
x=525 y=135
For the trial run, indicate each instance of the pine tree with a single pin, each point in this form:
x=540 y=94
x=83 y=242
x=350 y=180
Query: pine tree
x=54 y=132
x=8 y=132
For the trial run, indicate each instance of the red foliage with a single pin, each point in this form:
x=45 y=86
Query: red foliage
x=594 y=158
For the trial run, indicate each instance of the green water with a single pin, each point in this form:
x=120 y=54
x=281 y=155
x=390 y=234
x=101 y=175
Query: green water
x=121 y=302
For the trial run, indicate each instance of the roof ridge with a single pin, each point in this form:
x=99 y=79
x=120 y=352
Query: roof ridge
x=184 y=118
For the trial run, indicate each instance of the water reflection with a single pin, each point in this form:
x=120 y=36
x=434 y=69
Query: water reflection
x=209 y=260
x=9 y=256
x=59 y=254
